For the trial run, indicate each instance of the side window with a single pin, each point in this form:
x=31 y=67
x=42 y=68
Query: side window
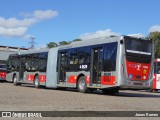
x=73 y=57
x=84 y=55
x=110 y=55
x=155 y=67
x=28 y=62
x=77 y=57
x=13 y=63
x=81 y=59
x=158 y=68
x=43 y=61
x=35 y=62
x=16 y=62
x=9 y=63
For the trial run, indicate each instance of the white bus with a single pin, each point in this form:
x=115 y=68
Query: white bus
x=108 y=64
x=156 y=80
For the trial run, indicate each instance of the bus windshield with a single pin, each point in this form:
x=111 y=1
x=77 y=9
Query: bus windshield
x=138 y=46
x=157 y=67
x=2 y=66
x=138 y=50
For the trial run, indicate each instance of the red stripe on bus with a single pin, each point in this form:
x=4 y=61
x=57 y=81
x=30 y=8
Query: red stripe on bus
x=42 y=78
x=154 y=81
x=2 y=75
x=30 y=77
x=88 y=79
x=72 y=79
x=108 y=80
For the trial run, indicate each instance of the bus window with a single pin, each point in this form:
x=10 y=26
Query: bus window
x=73 y=57
x=138 y=50
x=158 y=68
x=28 y=61
x=84 y=55
x=81 y=59
x=110 y=55
x=42 y=61
x=35 y=62
x=13 y=63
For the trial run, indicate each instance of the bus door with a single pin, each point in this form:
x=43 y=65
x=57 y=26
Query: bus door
x=156 y=80
x=96 y=66
x=22 y=69
x=62 y=67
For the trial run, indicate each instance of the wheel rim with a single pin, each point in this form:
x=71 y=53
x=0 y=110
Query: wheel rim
x=15 y=79
x=36 y=82
x=82 y=84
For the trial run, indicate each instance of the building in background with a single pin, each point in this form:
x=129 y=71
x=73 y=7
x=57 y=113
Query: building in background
x=5 y=51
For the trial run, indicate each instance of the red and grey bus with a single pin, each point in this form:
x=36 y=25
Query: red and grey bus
x=108 y=64
x=156 y=80
x=26 y=66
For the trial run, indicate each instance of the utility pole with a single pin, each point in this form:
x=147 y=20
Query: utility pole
x=32 y=42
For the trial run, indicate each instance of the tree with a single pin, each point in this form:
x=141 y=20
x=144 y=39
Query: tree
x=75 y=40
x=63 y=43
x=52 y=45
x=113 y=36
x=155 y=36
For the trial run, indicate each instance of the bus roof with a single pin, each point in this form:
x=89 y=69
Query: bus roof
x=96 y=41
x=33 y=51
x=89 y=42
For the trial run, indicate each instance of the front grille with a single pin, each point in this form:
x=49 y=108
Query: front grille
x=138 y=83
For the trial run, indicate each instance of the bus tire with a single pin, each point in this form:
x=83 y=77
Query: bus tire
x=15 y=82
x=36 y=82
x=82 y=86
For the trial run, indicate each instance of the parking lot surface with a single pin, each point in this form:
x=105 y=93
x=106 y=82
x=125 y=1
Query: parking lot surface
x=28 y=98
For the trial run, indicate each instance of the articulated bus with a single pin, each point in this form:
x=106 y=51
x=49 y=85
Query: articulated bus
x=156 y=80
x=107 y=64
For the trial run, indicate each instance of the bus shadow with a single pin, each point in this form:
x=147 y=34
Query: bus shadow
x=143 y=94
x=3 y=81
x=120 y=94
x=146 y=95
x=31 y=86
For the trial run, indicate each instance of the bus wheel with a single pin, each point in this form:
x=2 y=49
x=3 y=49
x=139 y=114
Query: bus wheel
x=82 y=86
x=36 y=82
x=15 y=80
